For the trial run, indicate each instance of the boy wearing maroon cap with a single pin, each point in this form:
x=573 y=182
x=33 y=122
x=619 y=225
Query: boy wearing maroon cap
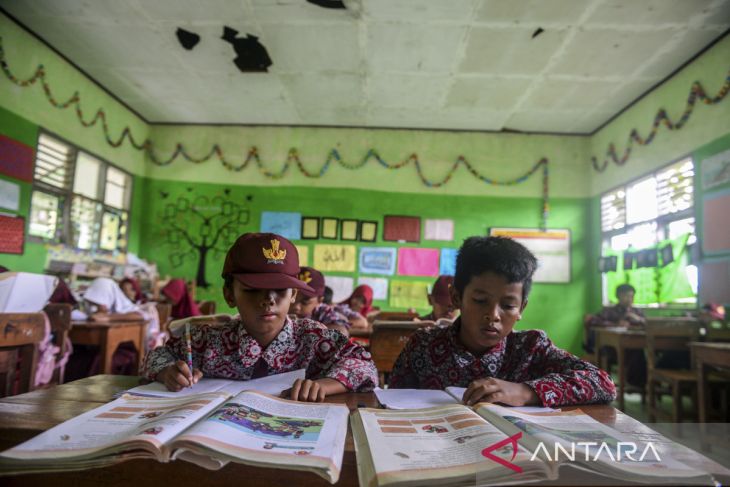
x=311 y=304
x=260 y=273
x=440 y=300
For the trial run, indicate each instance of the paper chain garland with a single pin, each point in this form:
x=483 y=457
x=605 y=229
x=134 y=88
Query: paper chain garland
x=697 y=91
x=253 y=155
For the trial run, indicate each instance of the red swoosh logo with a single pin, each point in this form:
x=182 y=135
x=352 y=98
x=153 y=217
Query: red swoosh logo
x=487 y=452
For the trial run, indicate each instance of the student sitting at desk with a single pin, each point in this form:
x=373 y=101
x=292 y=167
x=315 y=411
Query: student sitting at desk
x=131 y=288
x=260 y=274
x=358 y=307
x=176 y=293
x=442 y=307
x=481 y=351
x=311 y=304
x=622 y=314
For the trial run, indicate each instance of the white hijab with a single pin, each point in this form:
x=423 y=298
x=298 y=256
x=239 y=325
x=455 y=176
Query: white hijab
x=106 y=292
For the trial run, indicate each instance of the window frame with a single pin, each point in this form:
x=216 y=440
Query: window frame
x=662 y=223
x=63 y=233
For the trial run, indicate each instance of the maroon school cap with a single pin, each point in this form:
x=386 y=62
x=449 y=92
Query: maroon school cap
x=440 y=291
x=314 y=279
x=264 y=261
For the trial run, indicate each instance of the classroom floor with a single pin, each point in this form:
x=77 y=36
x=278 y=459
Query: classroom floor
x=720 y=449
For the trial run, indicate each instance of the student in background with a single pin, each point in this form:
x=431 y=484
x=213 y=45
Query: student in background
x=481 y=352
x=311 y=304
x=176 y=293
x=131 y=288
x=260 y=279
x=623 y=314
x=328 y=293
x=358 y=307
x=442 y=307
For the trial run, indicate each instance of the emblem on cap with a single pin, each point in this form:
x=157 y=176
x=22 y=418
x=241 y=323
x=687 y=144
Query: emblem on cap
x=305 y=276
x=274 y=254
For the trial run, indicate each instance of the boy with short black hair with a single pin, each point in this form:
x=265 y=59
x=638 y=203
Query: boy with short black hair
x=481 y=351
x=260 y=273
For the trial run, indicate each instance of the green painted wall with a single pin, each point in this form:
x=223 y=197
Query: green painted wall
x=557 y=308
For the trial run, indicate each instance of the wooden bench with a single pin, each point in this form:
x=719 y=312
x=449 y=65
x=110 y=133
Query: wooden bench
x=20 y=334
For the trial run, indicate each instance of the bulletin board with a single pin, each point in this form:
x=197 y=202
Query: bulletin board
x=716 y=221
x=12 y=234
x=551 y=247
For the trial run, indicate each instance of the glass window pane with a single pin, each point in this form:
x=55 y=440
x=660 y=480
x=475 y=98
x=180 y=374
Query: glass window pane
x=44 y=211
x=53 y=162
x=117 y=188
x=86 y=177
x=674 y=187
x=680 y=227
x=84 y=222
x=613 y=210
x=109 y=231
x=641 y=202
x=642 y=236
x=620 y=242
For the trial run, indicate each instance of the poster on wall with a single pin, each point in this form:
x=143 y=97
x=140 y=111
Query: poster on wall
x=341 y=287
x=447 y=266
x=716 y=213
x=418 y=262
x=12 y=234
x=339 y=258
x=551 y=247
x=303 y=252
x=402 y=229
x=408 y=294
x=439 y=230
x=286 y=224
x=16 y=159
x=716 y=170
x=377 y=260
x=378 y=284
x=9 y=195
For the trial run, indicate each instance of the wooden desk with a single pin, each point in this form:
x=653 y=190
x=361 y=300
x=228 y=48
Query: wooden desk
x=708 y=356
x=108 y=336
x=26 y=415
x=621 y=339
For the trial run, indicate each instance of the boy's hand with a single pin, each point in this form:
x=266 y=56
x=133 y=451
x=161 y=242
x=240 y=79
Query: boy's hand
x=177 y=376
x=502 y=391
x=313 y=390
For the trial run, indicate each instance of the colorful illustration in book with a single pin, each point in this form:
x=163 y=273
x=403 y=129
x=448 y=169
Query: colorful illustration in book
x=153 y=431
x=265 y=425
x=463 y=439
x=429 y=428
x=401 y=454
x=65 y=437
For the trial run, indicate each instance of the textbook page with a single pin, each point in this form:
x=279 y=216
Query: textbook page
x=149 y=421
x=273 y=384
x=263 y=430
x=430 y=446
x=597 y=447
x=413 y=398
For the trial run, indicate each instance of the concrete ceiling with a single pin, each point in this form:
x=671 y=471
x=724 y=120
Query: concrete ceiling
x=442 y=64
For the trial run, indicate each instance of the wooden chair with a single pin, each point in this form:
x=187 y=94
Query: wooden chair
x=396 y=316
x=386 y=343
x=20 y=334
x=59 y=316
x=662 y=338
x=591 y=357
x=164 y=310
x=207 y=307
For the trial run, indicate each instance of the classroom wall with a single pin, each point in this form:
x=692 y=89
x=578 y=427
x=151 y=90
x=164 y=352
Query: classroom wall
x=557 y=308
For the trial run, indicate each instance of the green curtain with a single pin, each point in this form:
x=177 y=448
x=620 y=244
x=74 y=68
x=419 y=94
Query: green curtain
x=663 y=284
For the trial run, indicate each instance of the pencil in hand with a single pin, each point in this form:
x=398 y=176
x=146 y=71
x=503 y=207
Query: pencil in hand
x=189 y=346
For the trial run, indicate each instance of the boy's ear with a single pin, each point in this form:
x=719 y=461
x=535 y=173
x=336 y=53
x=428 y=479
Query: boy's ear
x=294 y=295
x=455 y=297
x=320 y=299
x=228 y=296
x=522 y=308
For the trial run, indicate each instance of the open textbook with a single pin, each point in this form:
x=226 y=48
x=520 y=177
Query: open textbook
x=426 y=398
x=208 y=429
x=490 y=444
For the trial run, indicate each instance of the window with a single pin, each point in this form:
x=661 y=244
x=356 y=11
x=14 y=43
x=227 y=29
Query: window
x=78 y=199
x=644 y=214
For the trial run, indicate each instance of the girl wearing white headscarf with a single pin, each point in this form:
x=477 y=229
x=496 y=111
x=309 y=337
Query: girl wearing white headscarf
x=107 y=302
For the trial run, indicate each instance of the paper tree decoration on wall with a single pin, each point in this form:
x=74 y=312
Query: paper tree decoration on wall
x=196 y=227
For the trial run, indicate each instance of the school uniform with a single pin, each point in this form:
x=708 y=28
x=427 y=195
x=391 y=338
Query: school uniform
x=327 y=315
x=228 y=351
x=434 y=358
